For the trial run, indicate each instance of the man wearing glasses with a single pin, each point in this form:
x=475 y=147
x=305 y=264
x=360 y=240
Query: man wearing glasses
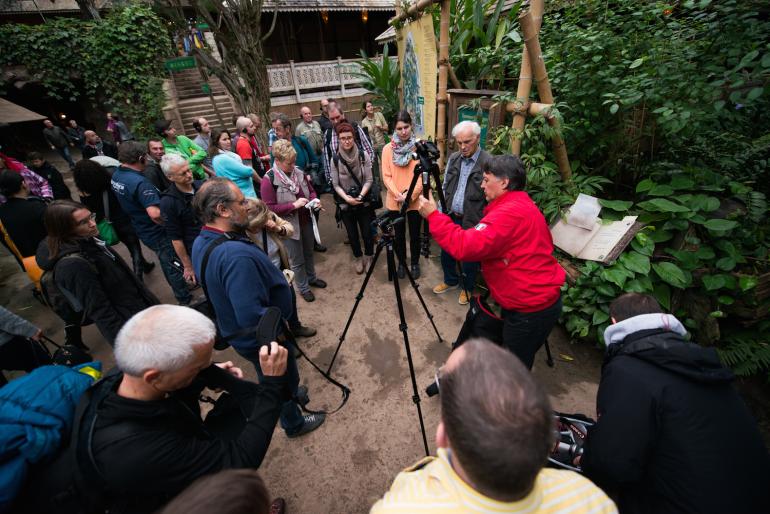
x=241 y=282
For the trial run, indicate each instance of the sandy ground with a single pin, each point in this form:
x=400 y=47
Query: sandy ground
x=347 y=464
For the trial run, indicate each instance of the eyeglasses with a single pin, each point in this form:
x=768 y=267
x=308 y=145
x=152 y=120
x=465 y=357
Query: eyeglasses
x=347 y=138
x=91 y=217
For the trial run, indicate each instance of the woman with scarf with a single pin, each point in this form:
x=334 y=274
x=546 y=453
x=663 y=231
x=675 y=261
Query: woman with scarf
x=268 y=231
x=287 y=190
x=351 y=172
x=397 y=173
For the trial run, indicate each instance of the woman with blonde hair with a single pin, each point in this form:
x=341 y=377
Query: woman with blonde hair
x=267 y=229
x=287 y=191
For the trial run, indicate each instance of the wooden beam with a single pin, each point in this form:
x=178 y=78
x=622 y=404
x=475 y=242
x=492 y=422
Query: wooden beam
x=532 y=43
x=443 y=72
x=413 y=11
x=525 y=80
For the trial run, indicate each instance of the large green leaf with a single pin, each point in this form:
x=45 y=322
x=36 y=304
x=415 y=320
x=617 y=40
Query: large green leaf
x=720 y=225
x=616 y=205
x=636 y=262
x=616 y=276
x=662 y=205
x=671 y=274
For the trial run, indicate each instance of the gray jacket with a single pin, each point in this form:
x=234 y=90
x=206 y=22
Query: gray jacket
x=12 y=325
x=474 y=202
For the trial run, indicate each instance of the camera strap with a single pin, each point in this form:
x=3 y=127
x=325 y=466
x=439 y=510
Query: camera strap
x=285 y=336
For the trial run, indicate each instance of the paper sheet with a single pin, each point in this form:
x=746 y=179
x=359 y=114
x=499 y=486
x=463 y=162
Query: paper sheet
x=584 y=213
x=606 y=238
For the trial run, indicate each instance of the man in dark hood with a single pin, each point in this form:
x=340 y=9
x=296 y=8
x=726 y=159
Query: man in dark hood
x=672 y=434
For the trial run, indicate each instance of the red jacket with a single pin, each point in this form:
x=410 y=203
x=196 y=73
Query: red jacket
x=514 y=246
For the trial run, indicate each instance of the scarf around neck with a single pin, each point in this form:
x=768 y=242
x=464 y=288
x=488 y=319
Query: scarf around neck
x=352 y=160
x=292 y=183
x=402 y=151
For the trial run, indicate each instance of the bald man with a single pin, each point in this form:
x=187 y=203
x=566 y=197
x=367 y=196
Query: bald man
x=95 y=146
x=310 y=129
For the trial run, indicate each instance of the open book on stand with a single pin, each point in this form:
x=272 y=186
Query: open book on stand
x=582 y=234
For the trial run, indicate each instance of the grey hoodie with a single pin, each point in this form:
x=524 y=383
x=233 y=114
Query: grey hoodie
x=619 y=331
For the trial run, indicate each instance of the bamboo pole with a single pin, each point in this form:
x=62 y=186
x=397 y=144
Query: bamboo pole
x=529 y=108
x=540 y=75
x=525 y=80
x=413 y=11
x=443 y=72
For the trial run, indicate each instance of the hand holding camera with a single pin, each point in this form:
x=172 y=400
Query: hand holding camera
x=300 y=202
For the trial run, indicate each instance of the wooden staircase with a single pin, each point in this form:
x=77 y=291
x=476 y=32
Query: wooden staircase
x=193 y=103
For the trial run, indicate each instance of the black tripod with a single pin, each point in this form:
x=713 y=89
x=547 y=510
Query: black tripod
x=386 y=241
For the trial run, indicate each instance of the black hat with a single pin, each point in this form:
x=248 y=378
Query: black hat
x=161 y=126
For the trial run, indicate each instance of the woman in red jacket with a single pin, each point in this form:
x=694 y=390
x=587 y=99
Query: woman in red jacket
x=514 y=246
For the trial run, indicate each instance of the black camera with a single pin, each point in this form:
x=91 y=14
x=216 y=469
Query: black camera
x=385 y=222
x=353 y=192
x=427 y=153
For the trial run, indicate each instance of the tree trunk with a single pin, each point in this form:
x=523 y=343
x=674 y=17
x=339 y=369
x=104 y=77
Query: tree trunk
x=237 y=29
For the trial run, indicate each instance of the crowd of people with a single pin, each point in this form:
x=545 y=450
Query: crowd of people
x=234 y=228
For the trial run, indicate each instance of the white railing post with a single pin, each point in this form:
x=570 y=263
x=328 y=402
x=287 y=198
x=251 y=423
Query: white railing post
x=342 y=77
x=294 y=81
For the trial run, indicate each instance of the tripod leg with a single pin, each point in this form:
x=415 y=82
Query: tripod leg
x=403 y=328
x=416 y=288
x=359 y=297
x=549 y=357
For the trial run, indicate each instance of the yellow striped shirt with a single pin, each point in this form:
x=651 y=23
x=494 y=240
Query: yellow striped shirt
x=434 y=487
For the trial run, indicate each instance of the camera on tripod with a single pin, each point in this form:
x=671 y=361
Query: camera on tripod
x=427 y=153
x=385 y=222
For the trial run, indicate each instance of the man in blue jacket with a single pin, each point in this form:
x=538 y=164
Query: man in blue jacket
x=241 y=282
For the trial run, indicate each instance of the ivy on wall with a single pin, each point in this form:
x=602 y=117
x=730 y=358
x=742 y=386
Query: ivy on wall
x=116 y=63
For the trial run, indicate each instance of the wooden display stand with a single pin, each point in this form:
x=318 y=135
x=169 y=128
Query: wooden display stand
x=492 y=113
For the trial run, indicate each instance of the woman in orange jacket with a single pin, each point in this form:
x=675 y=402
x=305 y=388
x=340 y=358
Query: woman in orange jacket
x=397 y=173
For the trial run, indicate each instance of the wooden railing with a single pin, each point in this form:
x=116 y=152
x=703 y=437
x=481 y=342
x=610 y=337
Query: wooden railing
x=318 y=75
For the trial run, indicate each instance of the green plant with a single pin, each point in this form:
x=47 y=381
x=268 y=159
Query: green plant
x=381 y=78
x=479 y=53
x=747 y=352
x=115 y=62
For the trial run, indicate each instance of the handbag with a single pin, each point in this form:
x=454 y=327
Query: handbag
x=64 y=355
x=106 y=230
x=481 y=321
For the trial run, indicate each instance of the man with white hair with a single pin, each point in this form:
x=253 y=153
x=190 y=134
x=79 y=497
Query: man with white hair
x=465 y=201
x=181 y=224
x=142 y=439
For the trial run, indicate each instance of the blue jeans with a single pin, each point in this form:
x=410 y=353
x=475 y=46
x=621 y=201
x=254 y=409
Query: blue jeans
x=166 y=255
x=64 y=151
x=291 y=416
x=449 y=265
x=525 y=332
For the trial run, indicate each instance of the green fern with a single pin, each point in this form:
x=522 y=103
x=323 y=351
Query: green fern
x=382 y=79
x=747 y=356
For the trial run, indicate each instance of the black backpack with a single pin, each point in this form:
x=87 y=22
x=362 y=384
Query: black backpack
x=61 y=301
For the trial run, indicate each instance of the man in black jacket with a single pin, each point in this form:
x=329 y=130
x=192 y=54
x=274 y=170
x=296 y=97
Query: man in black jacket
x=181 y=224
x=672 y=435
x=465 y=200
x=94 y=145
x=49 y=172
x=149 y=441
x=58 y=140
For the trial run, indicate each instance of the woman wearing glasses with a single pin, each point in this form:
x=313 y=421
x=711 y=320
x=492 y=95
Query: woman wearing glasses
x=95 y=279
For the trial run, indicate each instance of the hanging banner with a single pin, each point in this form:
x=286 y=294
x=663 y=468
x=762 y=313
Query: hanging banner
x=419 y=74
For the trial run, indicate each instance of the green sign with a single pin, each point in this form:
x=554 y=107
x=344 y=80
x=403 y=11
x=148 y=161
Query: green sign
x=465 y=113
x=421 y=100
x=206 y=88
x=180 y=63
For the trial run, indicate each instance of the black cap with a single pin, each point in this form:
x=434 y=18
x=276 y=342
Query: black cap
x=161 y=126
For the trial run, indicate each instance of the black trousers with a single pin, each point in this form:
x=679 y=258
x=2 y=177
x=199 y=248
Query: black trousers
x=359 y=220
x=22 y=354
x=525 y=332
x=414 y=220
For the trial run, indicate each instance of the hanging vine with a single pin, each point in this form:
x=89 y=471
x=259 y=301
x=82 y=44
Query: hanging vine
x=117 y=62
